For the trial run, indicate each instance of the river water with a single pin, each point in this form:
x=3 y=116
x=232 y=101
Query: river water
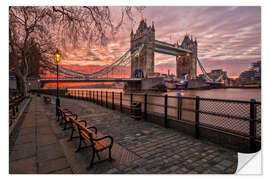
x=229 y=93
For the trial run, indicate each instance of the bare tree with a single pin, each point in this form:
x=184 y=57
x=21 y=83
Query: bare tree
x=35 y=32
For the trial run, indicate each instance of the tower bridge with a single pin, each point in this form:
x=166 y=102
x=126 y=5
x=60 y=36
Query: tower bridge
x=143 y=64
x=141 y=57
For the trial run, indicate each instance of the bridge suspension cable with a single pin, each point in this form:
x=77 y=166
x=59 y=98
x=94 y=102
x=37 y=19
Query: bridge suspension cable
x=205 y=73
x=122 y=61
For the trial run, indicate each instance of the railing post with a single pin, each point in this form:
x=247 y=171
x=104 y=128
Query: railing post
x=121 y=106
x=252 y=125
x=113 y=100
x=179 y=109
x=83 y=94
x=166 y=110
x=13 y=111
x=145 y=107
x=131 y=99
x=101 y=100
x=97 y=98
x=106 y=99
x=91 y=95
x=17 y=107
x=197 y=116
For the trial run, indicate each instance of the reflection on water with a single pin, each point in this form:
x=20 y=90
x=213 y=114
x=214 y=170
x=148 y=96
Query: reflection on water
x=229 y=93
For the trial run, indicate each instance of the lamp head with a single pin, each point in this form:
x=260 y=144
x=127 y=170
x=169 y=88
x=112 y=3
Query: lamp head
x=57 y=56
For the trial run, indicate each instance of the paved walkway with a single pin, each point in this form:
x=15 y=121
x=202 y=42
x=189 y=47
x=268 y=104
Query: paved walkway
x=140 y=147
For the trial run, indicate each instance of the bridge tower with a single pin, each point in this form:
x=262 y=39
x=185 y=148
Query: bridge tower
x=143 y=63
x=187 y=65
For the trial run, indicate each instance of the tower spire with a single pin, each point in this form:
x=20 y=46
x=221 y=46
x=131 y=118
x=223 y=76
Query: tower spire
x=153 y=25
x=142 y=19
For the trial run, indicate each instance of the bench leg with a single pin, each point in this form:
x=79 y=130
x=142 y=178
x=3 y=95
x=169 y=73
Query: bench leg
x=71 y=135
x=61 y=121
x=92 y=159
x=79 y=147
x=65 y=126
x=110 y=153
x=98 y=156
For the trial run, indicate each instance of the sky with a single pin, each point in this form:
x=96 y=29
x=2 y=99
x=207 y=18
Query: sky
x=229 y=38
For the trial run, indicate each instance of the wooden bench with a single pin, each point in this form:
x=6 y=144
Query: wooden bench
x=97 y=143
x=47 y=99
x=63 y=117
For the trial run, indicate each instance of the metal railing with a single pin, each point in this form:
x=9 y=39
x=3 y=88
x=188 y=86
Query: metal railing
x=14 y=103
x=240 y=118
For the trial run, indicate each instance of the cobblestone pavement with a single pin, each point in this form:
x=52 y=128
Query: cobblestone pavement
x=140 y=147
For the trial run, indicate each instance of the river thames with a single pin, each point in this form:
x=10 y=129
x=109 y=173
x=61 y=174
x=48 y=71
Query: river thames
x=227 y=93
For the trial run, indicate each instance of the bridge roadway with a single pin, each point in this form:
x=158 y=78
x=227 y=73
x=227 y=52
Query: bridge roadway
x=93 y=80
x=170 y=49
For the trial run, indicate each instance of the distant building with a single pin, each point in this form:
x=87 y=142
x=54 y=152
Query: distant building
x=215 y=74
x=252 y=75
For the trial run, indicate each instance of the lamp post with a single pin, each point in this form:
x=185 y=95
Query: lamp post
x=57 y=57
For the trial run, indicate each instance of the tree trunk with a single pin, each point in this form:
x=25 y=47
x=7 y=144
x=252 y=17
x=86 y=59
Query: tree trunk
x=22 y=85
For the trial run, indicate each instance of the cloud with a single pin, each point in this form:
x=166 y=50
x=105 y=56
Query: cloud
x=228 y=37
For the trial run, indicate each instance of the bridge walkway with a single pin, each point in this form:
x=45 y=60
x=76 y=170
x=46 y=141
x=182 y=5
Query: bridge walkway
x=140 y=147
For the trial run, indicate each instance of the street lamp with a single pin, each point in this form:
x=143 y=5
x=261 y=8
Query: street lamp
x=57 y=58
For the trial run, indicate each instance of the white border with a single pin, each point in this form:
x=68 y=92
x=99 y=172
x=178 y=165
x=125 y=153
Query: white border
x=265 y=66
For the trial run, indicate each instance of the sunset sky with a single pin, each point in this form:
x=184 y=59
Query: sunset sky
x=228 y=38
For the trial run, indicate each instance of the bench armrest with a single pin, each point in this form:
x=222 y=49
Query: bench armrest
x=84 y=121
x=69 y=113
x=105 y=137
x=75 y=116
x=93 y=127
